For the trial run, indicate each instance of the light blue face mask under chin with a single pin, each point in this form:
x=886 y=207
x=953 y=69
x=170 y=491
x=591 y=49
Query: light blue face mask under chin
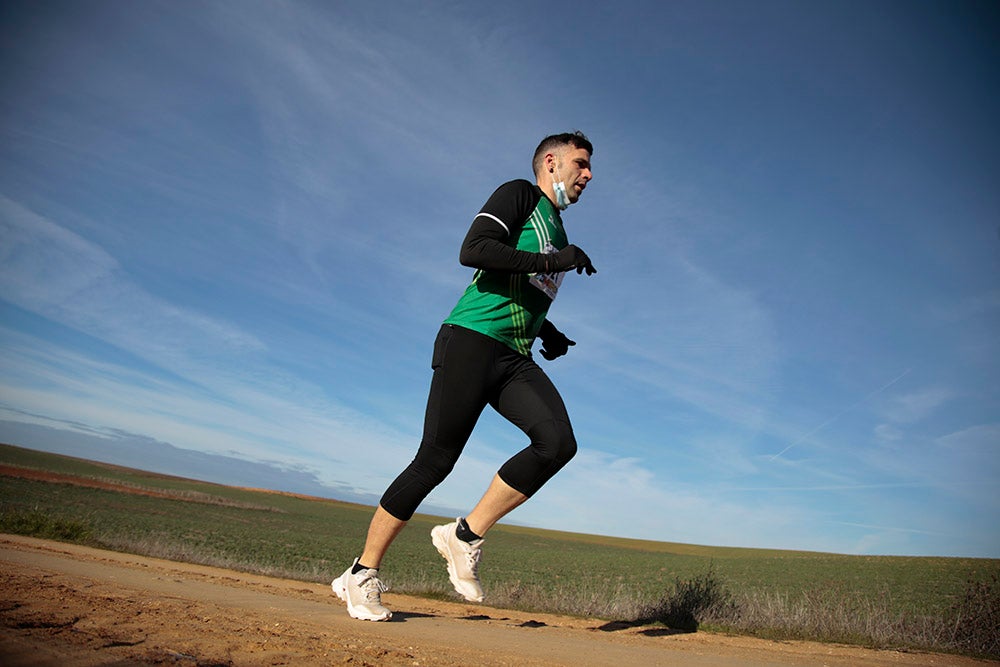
x=559 y=188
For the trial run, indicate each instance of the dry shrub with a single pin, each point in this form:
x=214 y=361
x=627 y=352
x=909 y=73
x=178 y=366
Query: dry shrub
x=690 y=602
x=976 y=619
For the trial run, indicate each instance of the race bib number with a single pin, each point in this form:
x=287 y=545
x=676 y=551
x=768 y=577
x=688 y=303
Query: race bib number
x=548 y=283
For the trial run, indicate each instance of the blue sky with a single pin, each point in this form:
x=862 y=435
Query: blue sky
x=233 y=228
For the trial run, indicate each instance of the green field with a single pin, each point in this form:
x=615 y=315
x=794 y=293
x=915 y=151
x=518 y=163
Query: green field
x=876 y=601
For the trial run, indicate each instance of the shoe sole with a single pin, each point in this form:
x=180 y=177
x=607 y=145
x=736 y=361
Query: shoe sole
x=338 y=588
x=441 y=544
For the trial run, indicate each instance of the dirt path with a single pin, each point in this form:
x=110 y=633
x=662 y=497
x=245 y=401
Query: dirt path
x=72 y=606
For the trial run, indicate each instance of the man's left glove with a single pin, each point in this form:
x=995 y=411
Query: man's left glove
x=554 y=342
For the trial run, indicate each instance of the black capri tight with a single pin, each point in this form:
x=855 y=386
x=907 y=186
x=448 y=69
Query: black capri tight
x=471 y=371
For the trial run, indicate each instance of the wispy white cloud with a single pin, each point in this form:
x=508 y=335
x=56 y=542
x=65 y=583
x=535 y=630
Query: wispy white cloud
x=968 y=307
x=629 y=493
x=888 y=432
x=232 y=396
x=982 y=438
x=969 y=463
x=691 y=337
x=43 y=263
x=893 y=529
x=915 y=406
x=52 y=271
x=836 y=416
x=259 y=422
x=954 y=467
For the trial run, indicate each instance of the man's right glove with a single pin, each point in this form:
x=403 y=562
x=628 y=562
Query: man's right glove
x=572 y=257
x=554 y=342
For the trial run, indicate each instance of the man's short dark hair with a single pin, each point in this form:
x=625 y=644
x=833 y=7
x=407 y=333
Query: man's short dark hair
x=576 y=139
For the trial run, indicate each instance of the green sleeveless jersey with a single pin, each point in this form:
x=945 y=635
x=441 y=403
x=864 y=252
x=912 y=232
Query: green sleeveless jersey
x=510 y=307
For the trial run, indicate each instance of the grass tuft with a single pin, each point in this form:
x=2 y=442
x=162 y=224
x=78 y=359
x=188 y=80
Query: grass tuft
x=38 y=524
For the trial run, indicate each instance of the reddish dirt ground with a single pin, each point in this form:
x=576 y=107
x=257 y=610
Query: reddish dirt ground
x=68 y=605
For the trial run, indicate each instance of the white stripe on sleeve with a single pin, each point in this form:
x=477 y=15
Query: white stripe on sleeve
x=493 y=217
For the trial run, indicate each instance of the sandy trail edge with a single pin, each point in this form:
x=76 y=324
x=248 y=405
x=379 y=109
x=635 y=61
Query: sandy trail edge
x=70 y=605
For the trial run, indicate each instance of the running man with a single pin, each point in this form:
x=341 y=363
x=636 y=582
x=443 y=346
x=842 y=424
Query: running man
x=482 y=356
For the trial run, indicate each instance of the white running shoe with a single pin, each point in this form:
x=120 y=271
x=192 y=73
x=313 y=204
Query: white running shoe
x=363 y=594
x=463 y=560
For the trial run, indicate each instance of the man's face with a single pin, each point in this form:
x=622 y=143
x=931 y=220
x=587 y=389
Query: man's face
x=573 y=169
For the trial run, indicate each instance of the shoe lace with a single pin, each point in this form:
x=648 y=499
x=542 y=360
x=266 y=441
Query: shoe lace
x=472 y=557
x=372 y=587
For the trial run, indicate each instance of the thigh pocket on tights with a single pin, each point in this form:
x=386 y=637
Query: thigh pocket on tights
x=441 y=345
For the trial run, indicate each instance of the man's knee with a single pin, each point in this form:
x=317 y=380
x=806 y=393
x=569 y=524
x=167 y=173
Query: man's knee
x=553 y=441
x=428 y=468
x=432 y=466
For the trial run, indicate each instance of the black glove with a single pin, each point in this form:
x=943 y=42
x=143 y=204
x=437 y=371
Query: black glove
x=554 y=342
x=572 y=257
